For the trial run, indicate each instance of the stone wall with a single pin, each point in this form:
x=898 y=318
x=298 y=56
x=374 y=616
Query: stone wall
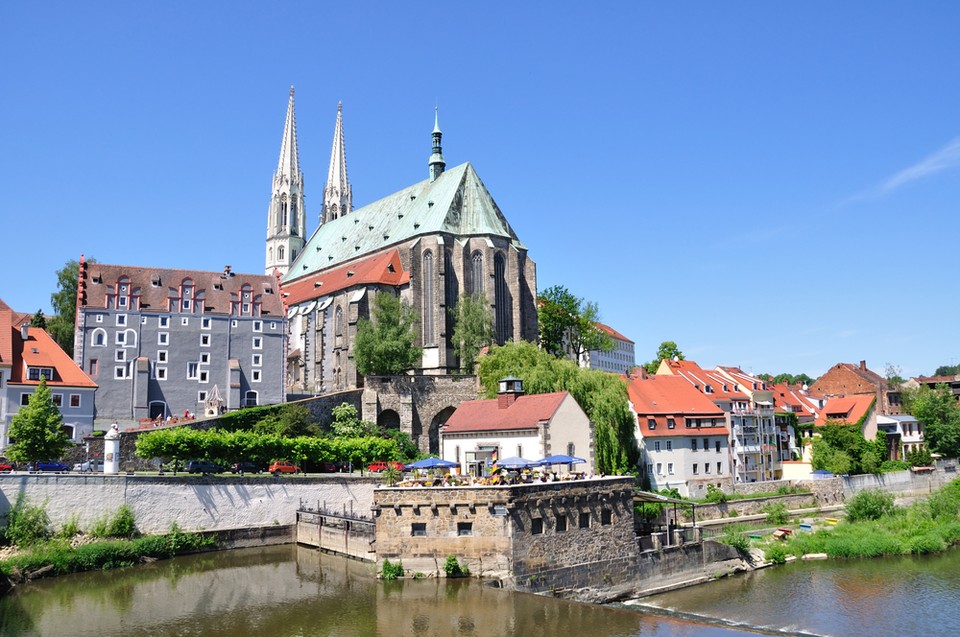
x=193 y=502
x=753 y=507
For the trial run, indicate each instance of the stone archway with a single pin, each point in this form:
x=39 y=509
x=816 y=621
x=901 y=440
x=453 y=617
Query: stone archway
x=438 y=421
x=388 y=419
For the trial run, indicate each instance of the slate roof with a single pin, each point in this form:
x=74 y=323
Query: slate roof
x=526 y=412
x=382 y=268
x=456 y=203
x=157 y=285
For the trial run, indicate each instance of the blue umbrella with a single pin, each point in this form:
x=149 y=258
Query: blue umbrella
x=562 y=459
x=432 y=463
x=517 y=462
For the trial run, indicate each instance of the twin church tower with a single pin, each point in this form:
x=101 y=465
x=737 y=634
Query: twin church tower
x=286 y=220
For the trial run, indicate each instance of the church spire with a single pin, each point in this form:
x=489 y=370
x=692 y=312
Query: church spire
x=285 y=222
x=337 y=195
x=436 y=157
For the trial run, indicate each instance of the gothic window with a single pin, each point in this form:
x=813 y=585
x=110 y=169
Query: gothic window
x=449 y=293
x=293 y=215
x=429 y=302
x=280 y=252
x=270 y=255
x=338 y=327
x=501 y=299
x=476 y=273
x=99 y=337
x=283 y=211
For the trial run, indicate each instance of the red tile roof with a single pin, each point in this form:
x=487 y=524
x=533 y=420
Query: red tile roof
x=40 y=350
x=612 y=333
x=702 y=377
x=660 y=397
x=382 y=268
x=846 y=409
x=485 y=415
x=6 y=335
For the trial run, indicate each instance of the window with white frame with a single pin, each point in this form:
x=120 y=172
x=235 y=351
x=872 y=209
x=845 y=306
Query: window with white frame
x=255 y=376
x=233 y=323
x=204 y=340
x=99 y=337
x=162 y=356
x=120 y=355
x=192 y=370
x=164 y=321
x=659 y=468
x=201 y=396
x=74 y=401
x=706 y=467
x=273 y=325
x=163 y=338
x=696 y=468
x=656 y=445
x=121 y=319
x=669 y=445
x=204 y=376
x=161 y=373
x=258 y=326
x=57 y=400
x=120 y=371
x=143 y=320
x=257 y=360
x=205 y=358
x=121 y=301
x=670 y=468
x=257 y=342
x=99 y=318
x=121 y=338
x=205 y=323
x=184 y=320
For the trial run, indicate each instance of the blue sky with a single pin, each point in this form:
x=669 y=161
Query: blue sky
x=770 y=185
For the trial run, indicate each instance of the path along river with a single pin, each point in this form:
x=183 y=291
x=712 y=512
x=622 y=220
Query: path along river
x=292 y=591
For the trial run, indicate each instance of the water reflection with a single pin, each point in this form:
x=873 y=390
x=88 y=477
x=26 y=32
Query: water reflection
x=294 y=591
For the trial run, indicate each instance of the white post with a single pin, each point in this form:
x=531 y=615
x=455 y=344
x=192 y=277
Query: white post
x=111 y=450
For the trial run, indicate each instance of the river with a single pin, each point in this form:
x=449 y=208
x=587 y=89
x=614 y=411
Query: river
x=288 y=591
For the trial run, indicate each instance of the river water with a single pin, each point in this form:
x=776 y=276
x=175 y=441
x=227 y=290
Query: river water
x=288 y=591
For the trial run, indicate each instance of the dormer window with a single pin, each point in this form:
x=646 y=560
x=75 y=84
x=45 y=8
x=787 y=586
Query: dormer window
x=671 y=423
x=36 y=373
x=708 y=389
x=651 y=423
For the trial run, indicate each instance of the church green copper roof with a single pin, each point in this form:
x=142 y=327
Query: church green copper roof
x=456 y=203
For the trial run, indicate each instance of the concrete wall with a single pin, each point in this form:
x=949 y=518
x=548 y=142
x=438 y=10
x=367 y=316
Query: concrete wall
x=194 y=503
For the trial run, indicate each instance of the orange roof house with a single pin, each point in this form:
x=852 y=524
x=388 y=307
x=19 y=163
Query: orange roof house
x=851 y=410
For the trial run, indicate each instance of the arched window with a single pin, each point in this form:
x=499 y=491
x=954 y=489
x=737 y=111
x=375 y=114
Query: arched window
x=449 y=293
x=429 y=300
x=502 y=299
x=130 y=338
x=293 y=215
x=338 y=328
x=283 y=210
x=99 y=337
x=476 y=272
x=280 y=253
x=270 y=255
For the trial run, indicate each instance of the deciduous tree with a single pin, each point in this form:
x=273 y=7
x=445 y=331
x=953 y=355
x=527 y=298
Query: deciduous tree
x=668 y=350
x=472 y=330
x=568 y=324
x=64 y=301
x=385 y=345
x=938 y=412
x=36 y=429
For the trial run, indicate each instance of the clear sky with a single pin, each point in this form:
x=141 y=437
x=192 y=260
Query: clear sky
x=771 y=185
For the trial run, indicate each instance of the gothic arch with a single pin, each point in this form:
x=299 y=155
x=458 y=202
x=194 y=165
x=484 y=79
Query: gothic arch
x=388 y=419
x=434 y=432
x=502 y=300
x=429 y=300
x=476 y=272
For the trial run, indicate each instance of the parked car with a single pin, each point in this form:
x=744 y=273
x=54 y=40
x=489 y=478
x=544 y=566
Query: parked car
x=50 y=465
x=86 y=467
x=245 y=467
x=381 y=465
x=335 y=467
x=202 y=466
x=5 y=468
x=283 y=466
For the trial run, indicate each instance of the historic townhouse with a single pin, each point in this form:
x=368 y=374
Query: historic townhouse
x=847 y=379
x=683 y=435
x=620 y=360
x=161 y=342
x=430 y=243
x=28 y=354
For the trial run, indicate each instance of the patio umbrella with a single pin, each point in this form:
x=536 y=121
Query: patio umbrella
x=517 y=462
x=432 y=463
x=562 y=459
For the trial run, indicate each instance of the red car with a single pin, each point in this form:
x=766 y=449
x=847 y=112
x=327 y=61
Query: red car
x=381 y=465
x=5 y=468
x=283 y=466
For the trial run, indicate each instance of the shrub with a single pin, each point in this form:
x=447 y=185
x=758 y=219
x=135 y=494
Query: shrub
x=391 y=571
x=777 y=513
x=27 y=524
x=69 y=529
x=99 y=528
x=715 y=494
x=776 y=553
x=869 y=504
x=893 y=465
x=453 y=568
x=123 y=523
x=734 y=536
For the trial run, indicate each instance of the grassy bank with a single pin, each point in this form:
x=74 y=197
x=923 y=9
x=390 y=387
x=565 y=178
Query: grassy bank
x=875 y=527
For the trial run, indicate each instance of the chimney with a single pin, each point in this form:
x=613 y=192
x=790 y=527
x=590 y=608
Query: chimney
x=24 y=331
x=643 y=372
x=863 y=366
x=510 y=389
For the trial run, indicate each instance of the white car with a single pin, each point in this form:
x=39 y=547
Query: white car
x=86 y=467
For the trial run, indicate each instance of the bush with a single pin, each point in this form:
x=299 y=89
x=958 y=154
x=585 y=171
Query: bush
x=453 y=568
x=715 y=495
x=734 y=536
x=869 y=504
x=777 y=513
x=391 y=571
x=26 y=524
x=888 y=466
x=123 y=523
x=776 y=553
x=70 y=528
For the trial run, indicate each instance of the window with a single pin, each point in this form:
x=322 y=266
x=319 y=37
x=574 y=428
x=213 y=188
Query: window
x=656 y=445
x=92 y=367
x=35 y=373
x=670 y=468
x=57 y=400
x=74 y=400
x=669 y=445
x=671 y=423
x=164 y=321
x=258 y=326
x=246 y=308
x=99 y=318
x=706 y=444
x=161 y=373
x=192 y=370
x=121 y=338
x=99 y=337
x=706 y=467
x=696 y=468
x=257 y=342
x=464 y=528
x=650 y=469
x=186 y=306
x=163 y=338
x=693 y=444
x=418 y=529
x=584 y=521
x=718 y=445
x=606 y=517
x=257 y=360
x=24 y=399
x=120 y=371
x=121 y=319
x=659 y=468
x=162 y=356
x=143 y=320
x=561 y=523
x=233 y=323
x=205 y=323
x=205 y=358
x=204 y=340
x=204 y=376
x=429 y=333
x=255 y=377
x=201 y=396
x=121 y=301
x=652 y=423
x=536 y=526
x=184 y=320
x=273 y=325
x=719 y=469
x=120 y=355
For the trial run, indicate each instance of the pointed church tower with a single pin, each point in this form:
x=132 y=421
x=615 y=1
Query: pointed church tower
x=436 y=157
x=285 y=223
x=337 y=194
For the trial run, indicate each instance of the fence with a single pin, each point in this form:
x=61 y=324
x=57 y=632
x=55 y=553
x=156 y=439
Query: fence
x=344 y=532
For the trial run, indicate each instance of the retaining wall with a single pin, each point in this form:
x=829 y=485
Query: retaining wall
x=195 y=503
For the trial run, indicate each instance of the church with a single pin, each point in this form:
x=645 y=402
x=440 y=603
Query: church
x=429 y=243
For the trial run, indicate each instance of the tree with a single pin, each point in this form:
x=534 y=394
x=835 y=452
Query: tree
x=39 y=320
x=601 y=395
x=472 y=330
x=385 y=345
x=568 y=324
x=947 y=370
x=290 y=421
x=893 y=375
x=36 y=429
x=347 y=424
x=64 y=301
x=938 y=412
x=668 y=351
